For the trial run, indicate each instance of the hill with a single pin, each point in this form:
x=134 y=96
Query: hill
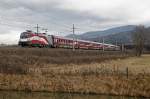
x=120 y=34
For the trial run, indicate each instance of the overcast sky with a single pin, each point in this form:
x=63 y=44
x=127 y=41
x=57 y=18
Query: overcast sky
x=58 y=16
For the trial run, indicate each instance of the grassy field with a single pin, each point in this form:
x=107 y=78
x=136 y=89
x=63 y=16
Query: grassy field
x=15 y=60
x=61 y=70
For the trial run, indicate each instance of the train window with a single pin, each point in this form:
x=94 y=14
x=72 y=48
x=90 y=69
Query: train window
x=25 y=35
x=56 y=40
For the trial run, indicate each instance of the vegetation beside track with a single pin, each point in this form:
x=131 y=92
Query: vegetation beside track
x=82 y=71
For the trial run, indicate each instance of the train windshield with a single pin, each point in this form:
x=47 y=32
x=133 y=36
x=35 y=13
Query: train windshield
x=25 y=35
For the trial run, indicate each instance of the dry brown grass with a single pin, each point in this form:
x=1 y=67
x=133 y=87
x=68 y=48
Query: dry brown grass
x=115 y=85
x=18 y=60
x=82 y=71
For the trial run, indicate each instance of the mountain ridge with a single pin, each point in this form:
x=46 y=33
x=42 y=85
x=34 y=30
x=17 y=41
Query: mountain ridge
x=121 y=34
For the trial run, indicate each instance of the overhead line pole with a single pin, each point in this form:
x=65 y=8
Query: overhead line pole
x=73 y=45
x=99 y=42
x=116 y=45
x=37 y=27
x=103 y=44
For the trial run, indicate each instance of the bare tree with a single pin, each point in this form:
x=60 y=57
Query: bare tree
x=139 y=37
x=148 y=39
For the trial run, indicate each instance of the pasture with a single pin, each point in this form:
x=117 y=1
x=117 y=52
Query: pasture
x=82 y=71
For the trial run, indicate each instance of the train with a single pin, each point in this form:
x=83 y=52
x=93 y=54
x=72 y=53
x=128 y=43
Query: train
x=33 y=39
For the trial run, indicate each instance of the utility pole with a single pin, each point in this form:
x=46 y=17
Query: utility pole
x=122 y=47
x=37 y=27
x=103 y=44
x=116 y=45
x=73 y=45
x=99 y=42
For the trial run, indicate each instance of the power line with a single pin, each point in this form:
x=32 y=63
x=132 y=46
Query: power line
x=46 y=30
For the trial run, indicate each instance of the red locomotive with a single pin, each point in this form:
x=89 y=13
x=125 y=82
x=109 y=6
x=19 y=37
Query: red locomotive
x=29 y=38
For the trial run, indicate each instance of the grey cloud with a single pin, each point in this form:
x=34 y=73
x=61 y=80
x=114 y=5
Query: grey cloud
x=19 y=15
x=45 y=13
x=27 y=13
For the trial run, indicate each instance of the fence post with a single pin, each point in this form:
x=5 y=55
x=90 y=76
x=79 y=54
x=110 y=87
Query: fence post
x=127 y=72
